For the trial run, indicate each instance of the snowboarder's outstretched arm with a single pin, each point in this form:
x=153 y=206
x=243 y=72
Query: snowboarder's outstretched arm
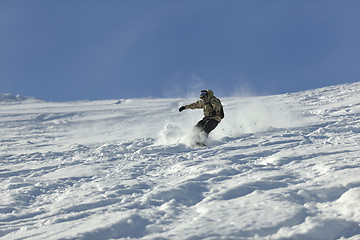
x=195 y=105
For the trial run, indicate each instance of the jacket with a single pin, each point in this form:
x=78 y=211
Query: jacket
x=209 y=105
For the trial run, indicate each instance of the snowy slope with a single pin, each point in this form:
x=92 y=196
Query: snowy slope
x=277 y=167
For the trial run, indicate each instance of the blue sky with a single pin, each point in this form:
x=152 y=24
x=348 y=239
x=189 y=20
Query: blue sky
x=63 y=50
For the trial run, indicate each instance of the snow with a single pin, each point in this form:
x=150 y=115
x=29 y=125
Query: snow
x=277 y=167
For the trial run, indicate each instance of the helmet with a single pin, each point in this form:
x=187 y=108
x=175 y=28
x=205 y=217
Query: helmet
x=203 y=94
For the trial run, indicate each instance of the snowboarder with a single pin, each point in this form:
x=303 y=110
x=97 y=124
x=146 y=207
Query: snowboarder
x=213 y=113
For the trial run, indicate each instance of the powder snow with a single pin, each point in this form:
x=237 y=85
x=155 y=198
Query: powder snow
x=277 y=167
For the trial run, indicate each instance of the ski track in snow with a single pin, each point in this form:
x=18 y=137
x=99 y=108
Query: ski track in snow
x=277 y=167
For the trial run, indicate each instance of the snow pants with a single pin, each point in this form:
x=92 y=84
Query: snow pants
x=206 y=125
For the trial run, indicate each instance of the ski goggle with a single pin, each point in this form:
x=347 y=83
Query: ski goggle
x=203 y=95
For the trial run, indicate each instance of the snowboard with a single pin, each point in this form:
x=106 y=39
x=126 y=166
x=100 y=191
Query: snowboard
x=199 y=144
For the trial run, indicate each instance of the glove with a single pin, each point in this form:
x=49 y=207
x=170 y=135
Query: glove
x=213 y=113
x=181 y=109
